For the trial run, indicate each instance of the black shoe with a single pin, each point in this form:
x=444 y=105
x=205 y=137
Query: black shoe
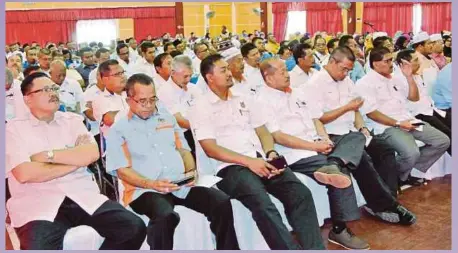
x=399 y=215
x=412 y=181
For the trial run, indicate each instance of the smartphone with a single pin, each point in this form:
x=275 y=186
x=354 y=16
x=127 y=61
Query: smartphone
x=183 y=181
x=279 y=162
x=418 y=124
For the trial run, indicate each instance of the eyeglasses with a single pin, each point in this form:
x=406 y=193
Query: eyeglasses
x=46 y=89
x=124 y=53
x=145 y=102
x=118 y=74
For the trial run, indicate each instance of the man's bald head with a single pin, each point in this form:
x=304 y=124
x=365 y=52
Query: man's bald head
x=275 y=73
x=58 y=71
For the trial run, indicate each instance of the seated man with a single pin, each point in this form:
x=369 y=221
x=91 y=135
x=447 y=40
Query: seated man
x=47 y=156
x=147 y=149
x=297 y=113
x=232 y=131
x=442 y=93
x=386 y=109
x=423 y=109
x=178 y=95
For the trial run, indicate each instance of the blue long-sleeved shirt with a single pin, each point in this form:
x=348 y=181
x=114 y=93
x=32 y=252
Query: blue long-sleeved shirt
x=442 y=94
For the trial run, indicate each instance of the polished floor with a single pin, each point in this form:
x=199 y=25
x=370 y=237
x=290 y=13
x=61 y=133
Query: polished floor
x=433 y=230
x=432 y=205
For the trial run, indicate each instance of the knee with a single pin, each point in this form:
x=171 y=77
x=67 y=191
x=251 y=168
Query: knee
x=137 y=226
x=412 y=154
x=443 y=143
x=168 y=218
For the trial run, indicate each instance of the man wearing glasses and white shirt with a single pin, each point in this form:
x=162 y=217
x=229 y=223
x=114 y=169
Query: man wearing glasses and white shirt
x=386 y=109
x=51 y=189
x=113 y=100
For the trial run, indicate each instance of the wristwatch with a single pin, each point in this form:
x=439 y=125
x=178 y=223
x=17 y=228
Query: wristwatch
x=50 y=156
x=398 y=124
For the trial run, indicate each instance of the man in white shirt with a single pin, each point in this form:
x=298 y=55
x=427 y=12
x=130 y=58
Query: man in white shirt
x=178 y=95
x=14 y=101
x=102 y=55
x=320 y=53
x=201 y=51
x=252 y=59
x=122 y=52
x=388 y=116
x=423 y=47
x=44 y=60
x=51 y=189
x=145 y=64
x=297 y=114
x=107 y=105
x=303 y=71
x=133 y=53
x=163 y=66
x=424 y=108
x=70 y=93
x=234 y=58
x=231 y=130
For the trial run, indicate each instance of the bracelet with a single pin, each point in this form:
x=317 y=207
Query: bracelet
x=270 y=152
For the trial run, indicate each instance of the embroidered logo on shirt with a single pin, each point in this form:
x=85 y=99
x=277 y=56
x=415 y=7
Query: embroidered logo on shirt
x=242 y=104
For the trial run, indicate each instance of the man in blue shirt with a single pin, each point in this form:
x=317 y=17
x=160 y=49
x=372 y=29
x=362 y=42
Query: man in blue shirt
x=442 y=94
x=88 y=64
x=147 y=150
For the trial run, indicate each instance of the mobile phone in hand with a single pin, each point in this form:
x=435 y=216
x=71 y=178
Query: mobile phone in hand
x=279 y=162
x=183 y=181
x=418 y=124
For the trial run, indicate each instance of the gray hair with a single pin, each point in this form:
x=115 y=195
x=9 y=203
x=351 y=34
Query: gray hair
x=181 y=61
x=9 y=79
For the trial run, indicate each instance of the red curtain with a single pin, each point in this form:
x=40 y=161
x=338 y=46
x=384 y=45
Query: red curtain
x=280 y=13
x=40 y=25
x=436 y=17
x=324 y=17
x=41 y=32
x=388 y=17
x=149 y=26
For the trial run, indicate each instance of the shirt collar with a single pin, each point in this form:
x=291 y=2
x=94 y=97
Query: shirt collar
x=177 y=88
x=132 y=116
x=213 y=98
x=375 y=75
x=271 y=92
x=35 y=122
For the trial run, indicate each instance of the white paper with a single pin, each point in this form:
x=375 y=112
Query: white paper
x=440 y=112
x=419 y=128
x=207 y=180
x=368 y=140
x=415 y=121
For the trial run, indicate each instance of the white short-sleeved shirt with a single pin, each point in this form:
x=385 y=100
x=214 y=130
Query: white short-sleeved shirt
x=299 y=78
x=89 y=96
x=231 y=123
x=382 y=94
x=253 y=77
x=107 y=102
x=159 y=81
x=93 y=76
x=125 y=66
x=14 y=104
x=425 y=104
x=196 y=65
x=41 y=201
x=329 y=95
x=71 y=94
x=143 y=67
x=176 y=99
x=292 y=112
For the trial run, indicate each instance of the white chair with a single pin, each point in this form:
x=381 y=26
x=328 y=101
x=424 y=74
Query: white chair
x=192 y=233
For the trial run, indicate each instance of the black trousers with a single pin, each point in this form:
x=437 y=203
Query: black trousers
x=242 y=184
x=212 y=203
x=384 y=160
x=122 y=229
x=190 y=139
x=350 y=147
x=440 y=124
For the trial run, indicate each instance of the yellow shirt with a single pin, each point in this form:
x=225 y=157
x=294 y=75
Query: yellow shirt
x=272 y=47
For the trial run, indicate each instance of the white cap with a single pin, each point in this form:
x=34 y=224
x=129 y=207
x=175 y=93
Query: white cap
x=379 y=34
x=420 y=37
x=435 y=37
x=230 y=52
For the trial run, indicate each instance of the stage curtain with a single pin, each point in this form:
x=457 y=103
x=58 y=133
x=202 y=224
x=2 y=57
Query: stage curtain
x=42 y=32
x=388 y=17
x=436 y=17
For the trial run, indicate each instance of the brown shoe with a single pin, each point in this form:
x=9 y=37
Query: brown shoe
x=331 y=175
